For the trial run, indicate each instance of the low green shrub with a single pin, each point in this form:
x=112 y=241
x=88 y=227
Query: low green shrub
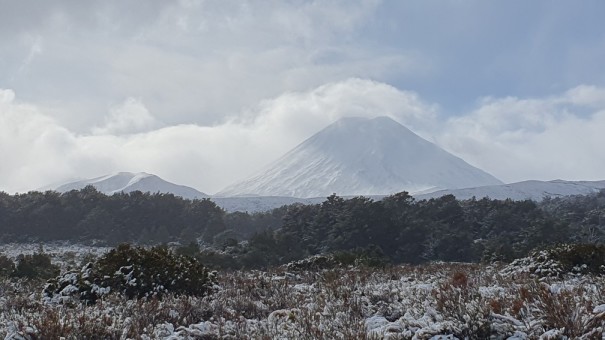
x=135 y=272
x=75 y=286
x=7 y=266
x=35 y=266
x=581 y=258
x=561 y=259
x=140 y=272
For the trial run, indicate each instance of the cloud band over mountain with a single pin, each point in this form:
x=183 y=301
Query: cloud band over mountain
x=515 y=139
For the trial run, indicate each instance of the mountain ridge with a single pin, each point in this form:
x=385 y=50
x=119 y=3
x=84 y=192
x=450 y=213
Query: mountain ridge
x=531 y=189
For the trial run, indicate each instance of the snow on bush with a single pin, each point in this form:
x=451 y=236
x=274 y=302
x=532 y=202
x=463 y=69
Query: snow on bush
x=433 y=301
x=75 y=286
x=576 y=259
x=132 y=271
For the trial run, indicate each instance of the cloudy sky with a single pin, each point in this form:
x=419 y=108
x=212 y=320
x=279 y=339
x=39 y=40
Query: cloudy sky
x=203 y=93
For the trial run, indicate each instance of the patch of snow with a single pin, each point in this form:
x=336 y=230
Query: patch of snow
x=375 y=322
x=599 y=309
x=518 y=336
x=552 y=334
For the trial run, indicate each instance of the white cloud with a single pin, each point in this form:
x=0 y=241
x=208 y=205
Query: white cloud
x=197 y=62
x=129 y=117
x=32 y=145
x=513 y=138
x=6 y=96
x=584 y=95
x=540 y=138
x=207 y=158
x=189 y=62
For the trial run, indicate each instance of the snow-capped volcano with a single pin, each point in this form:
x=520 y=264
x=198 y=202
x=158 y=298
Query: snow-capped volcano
x=359 y=156
x=128 y=182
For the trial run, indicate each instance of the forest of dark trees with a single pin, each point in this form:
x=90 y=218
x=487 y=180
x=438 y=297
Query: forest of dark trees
x=398 y=228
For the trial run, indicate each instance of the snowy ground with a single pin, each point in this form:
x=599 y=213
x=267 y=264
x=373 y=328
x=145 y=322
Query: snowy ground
x=436 y=301
x=67 y=256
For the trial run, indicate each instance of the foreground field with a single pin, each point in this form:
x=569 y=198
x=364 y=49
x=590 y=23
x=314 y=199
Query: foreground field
x=440 y=301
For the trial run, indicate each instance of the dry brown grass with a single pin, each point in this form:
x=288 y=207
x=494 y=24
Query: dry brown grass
x=464 y=300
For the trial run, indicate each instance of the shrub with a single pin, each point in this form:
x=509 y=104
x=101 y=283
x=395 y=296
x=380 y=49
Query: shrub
x=365 y=257
x=459 y=299
x=315 y=262
x=218 y=260
x=581 y=258
x=135 y=272
x=140 y=272
x=561 y=259
x=81 y=285
x=6 y=266
x=35 y=266
x=371 y=256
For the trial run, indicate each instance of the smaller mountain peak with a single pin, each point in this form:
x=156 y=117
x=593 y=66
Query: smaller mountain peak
x=129 y=181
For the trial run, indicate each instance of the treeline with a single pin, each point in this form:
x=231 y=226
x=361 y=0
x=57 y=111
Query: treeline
x=396 y=229
x=399 y=229
x=88 y=215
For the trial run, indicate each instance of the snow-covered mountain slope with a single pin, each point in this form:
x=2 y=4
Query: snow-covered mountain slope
x=359 y=156
x=128 y=182
x=534 y=190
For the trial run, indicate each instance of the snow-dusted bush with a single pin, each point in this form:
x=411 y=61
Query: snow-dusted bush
x=315 y=262
x=459 y=299
x=431 y=301
x=561 y=259
x=74 y=286
x=141 y=272
x=367 y=257
x=134 y=272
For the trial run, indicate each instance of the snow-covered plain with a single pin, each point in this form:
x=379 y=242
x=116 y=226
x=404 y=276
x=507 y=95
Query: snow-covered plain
x=434 y=301
x=66 y=255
